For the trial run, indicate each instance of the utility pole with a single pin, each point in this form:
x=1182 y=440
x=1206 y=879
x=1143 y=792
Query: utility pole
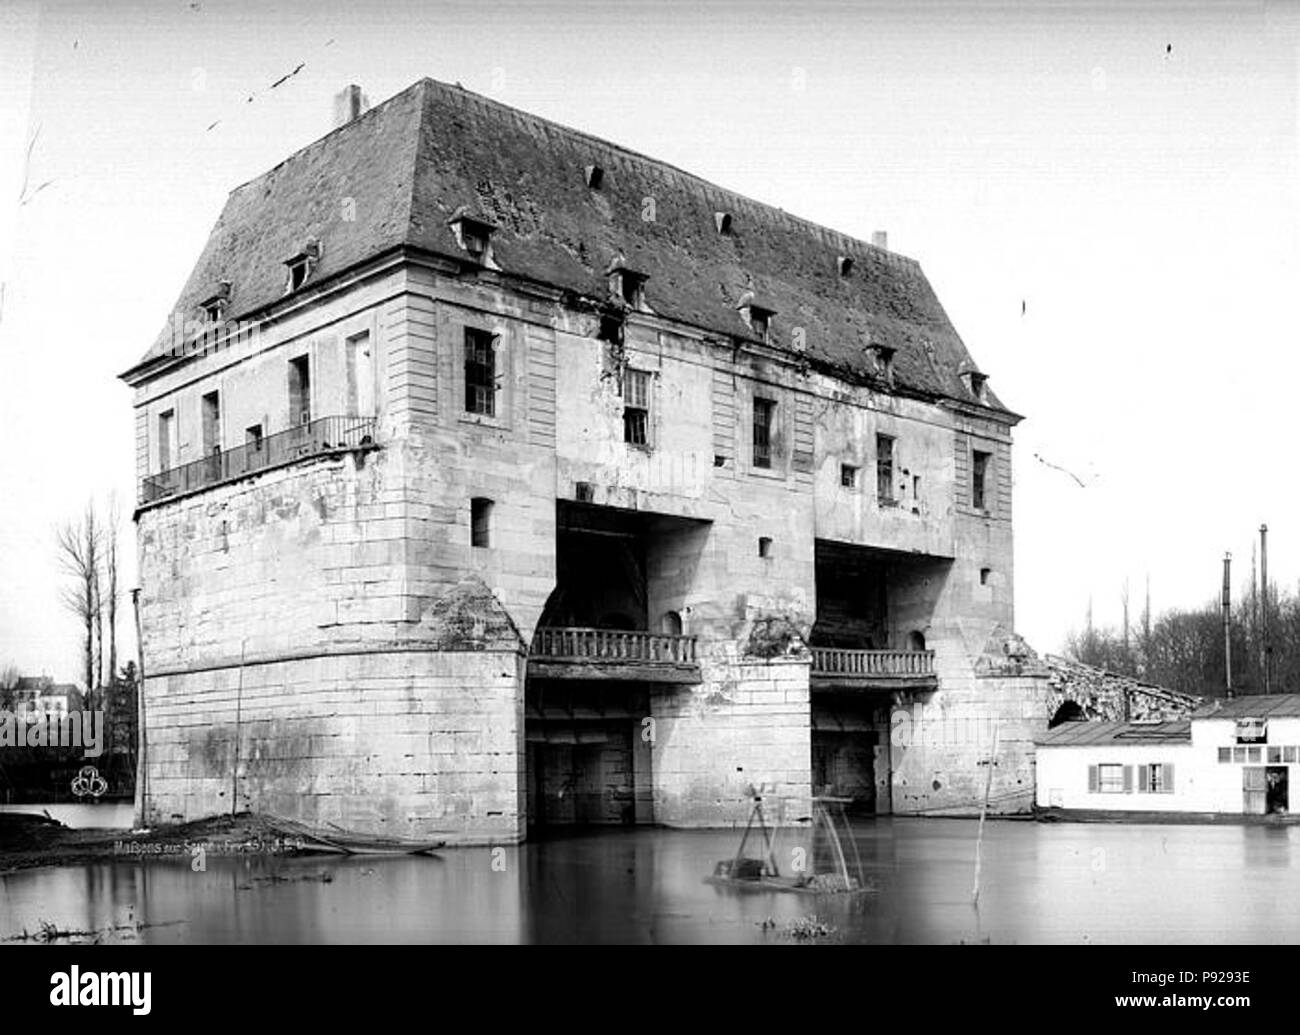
x=1263 y=608
x=1227 y=622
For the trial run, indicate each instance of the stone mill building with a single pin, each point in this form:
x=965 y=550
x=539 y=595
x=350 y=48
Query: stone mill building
x=493 y=475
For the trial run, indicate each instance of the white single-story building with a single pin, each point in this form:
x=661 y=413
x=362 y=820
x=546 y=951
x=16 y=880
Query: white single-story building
x=1233 y=757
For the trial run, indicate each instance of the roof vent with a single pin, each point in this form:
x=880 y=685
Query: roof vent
x=594 y=176
x=348 y=104
x=845 y=265
x=880 y=238
x=722 y=220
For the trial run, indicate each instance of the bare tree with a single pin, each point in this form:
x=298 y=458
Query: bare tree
x=79 y=555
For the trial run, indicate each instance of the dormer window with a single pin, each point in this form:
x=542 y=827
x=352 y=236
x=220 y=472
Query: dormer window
x=844 y=264
x=629 y=285
x=214 y=306
x=722 y=220
x=883 y=356
x=975 y=383
x=301 y=265
x=594 y=175
x=474 y=236
x=759 y=320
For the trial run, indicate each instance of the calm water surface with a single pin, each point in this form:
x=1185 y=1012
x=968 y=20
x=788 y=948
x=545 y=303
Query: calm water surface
x=1041 y=883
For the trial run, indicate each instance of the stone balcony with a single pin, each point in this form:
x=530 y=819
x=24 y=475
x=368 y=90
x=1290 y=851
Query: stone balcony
x=839 y=668
x=325 y=436
x=571 y=652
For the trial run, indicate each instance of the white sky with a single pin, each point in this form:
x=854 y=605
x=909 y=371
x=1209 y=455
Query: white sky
x=1140 y=201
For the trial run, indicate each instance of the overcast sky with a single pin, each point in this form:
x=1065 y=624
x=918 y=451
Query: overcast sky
x=1104 y=196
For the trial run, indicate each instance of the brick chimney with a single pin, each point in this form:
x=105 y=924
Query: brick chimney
x=348 y=104
x=880 y=239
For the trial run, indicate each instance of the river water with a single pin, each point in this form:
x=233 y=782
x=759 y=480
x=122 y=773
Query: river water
x=1040 y=883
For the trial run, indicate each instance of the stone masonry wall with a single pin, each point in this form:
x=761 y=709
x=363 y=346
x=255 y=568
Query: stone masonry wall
x=749 y=722
x=415 y=743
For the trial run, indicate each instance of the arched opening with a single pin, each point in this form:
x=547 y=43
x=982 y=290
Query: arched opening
x=916 y=640
x=671 y=623
x=1070 y=711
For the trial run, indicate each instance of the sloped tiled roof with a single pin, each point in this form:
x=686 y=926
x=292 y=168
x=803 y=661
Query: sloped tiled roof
x=1084 y=734
x=396 y=175
x=1253 y=706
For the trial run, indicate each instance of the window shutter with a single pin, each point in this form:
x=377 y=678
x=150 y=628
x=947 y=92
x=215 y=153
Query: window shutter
x=1144 y=775
x=1128 y=779
x=1092 y=779
x=1169 y=778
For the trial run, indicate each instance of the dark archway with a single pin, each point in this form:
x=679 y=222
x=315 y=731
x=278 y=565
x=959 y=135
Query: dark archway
x=1070 y=711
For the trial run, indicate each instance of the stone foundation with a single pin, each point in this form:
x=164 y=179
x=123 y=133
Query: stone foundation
x=399 y=743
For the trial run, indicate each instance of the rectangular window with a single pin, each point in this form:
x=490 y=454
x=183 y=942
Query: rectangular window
x=166 y=440
x=848 y=476
x=885 y=468
x=1239 y=754
x=1225 y=754
x=1254 y=754
x=480 y=519
x=636 y=407
x=763 y=412
x=253 y=438
x=480 y=372
x=361 y=376
x=299 y=391
x=1156 y=779
x=1275 y=756
x=211 y=423
x=979 y=474
x=1288 y=754
x=1110 y=779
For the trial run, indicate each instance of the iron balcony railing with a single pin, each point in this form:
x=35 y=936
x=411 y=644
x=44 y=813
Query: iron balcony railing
x=580 y=644
x=835 y=661
x=320 y=437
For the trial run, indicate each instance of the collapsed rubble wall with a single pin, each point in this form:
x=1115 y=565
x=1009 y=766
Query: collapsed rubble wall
x=1103 y=696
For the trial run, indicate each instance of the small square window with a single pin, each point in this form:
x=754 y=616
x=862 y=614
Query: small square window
x=1225 y=754
x=764 y=546
x=1254 y=754
x=1239 y=754
x=480 y=517
x=848 y=476
x=1275 y=756
x=1288 y=754
x=611 y=329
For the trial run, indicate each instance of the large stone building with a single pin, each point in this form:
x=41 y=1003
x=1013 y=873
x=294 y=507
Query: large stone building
x=493 y=474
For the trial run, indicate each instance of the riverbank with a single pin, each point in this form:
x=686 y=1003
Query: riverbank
x=28 y=840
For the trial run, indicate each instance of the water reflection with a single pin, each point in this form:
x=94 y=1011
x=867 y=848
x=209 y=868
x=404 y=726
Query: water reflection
x=1040 y=883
